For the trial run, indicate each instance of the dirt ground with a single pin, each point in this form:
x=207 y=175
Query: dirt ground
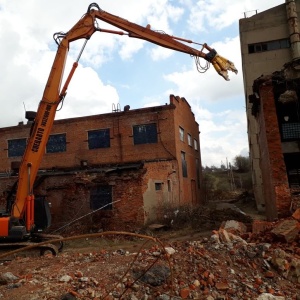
x=192 y=262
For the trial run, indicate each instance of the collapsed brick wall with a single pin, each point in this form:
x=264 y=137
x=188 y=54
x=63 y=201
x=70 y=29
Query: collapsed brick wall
x=158 y=202
x=70 y=200
x=275 y=181
x=69 y=193
x=136 y=201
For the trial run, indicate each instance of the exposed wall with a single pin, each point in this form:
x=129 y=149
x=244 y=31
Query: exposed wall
x=190 y=186
x=121 y=150
x=70 y=199
x=145 y=178
x=269 y=25
x=158 y=202
x=276 y=186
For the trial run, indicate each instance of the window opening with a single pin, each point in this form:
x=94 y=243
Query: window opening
x=195 y=144
x=184 y=164
x=56 y=143
x=269 y=46
x=101 y=196
x=16 y=147
x=169 y=185
x=145 y=134
x=181 y=134
x=198 y=172
x=99 y=138
x=158 y=186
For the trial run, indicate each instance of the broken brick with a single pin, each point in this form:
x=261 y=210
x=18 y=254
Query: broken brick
x=296 y=214
x=286 y=229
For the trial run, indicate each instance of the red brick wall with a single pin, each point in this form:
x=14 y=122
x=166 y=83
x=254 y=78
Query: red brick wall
x=275 y=182
x=184 y=118
x=121 y=150
x=70 y=200
x=135 y=189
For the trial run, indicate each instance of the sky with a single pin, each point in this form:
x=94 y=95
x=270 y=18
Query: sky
x=118 y=70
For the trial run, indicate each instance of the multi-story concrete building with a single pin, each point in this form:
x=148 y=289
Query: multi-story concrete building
x=270 y=58
x=137 y=163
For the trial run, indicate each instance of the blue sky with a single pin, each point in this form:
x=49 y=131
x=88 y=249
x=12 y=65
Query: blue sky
x=117 y=69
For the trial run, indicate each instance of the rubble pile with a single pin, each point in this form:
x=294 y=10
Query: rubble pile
x=231 y=263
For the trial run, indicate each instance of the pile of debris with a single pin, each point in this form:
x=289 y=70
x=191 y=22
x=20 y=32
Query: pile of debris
x=232 y=263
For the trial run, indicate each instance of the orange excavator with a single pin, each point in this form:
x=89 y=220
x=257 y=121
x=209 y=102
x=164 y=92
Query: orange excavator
x=26 y=216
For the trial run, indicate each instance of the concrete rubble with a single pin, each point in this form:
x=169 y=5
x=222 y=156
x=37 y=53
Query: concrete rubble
x=233 y=262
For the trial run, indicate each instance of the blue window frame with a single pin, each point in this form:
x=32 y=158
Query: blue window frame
x=56 y=143
x=145 y=134
x=99 y=138
x=16 y=147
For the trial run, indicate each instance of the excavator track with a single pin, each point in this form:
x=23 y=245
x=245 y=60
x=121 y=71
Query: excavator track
x=43 y=237
x=9 y=251
x=32 y=247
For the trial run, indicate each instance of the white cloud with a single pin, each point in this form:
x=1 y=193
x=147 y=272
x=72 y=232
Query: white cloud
x=151 y=104
x=213 y=14
x=88 y=95
x=159 y=53
x=158 y=14
x=130 y=47
x=209 y=86
x=224 y=141
x=162 y=14
x=154 y=101
x=26 y=61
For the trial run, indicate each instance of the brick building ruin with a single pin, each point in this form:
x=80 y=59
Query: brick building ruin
x=275 y=106
x=270 y=49
x=136 y=163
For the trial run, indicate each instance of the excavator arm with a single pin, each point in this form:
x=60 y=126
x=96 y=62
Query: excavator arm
x=54 y=93
x=221 y=64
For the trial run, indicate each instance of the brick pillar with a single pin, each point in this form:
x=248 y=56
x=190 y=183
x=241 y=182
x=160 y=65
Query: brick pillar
x=275 y=181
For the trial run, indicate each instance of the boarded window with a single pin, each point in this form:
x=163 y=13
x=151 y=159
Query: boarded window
x=56 y=143
x=145 y=134
x=16 y=147
x=101 y=196
x=99 y=138
x=184 y=164
x=181 y=134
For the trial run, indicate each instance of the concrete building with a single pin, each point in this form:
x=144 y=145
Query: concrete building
x=270 y=60
x=139 y=163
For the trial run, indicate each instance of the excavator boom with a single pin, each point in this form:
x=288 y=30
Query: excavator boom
x=221 y=64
